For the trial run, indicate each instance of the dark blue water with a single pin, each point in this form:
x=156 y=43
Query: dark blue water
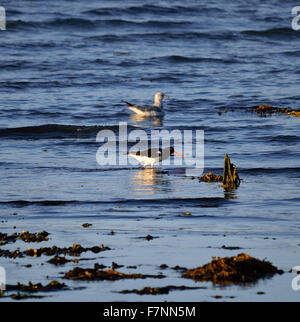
x=65 y=66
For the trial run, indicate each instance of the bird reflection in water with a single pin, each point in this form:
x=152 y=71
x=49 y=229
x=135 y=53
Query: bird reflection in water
x=141 y=120
x=150 y=181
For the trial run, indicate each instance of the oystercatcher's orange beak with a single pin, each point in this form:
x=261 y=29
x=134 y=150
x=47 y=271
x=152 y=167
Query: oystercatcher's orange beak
x=179 y=154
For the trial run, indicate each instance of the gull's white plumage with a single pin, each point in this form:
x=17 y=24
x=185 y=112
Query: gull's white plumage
x=149 y=110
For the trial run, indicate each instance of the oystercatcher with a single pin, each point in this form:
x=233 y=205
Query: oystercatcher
x=154 y=155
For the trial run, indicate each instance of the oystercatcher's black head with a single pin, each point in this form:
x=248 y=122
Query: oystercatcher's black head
x=167 y=152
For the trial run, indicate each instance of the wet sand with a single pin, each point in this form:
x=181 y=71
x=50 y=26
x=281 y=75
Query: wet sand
x=130 y=252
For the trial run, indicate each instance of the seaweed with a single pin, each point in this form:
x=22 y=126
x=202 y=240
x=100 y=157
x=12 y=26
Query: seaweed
x=34 y=288
x=159 y=290
x=230 y=247
x=74 y=250
x=148 y=237
x=34 y=237
x=295 y=113
x=11 y=253
x=85 y=225
x=58 y=260
x=20 y=296
x=115 y=265
x=4 y=238
x=210 y=177
x=163 y=266
x=26 y=236
x=179 y=268
x=100 y=275
x=230 y=178
x=233 y=270
x=264 y=109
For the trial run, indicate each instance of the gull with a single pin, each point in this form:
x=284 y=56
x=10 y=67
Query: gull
x=154 y=155
x=150 y=110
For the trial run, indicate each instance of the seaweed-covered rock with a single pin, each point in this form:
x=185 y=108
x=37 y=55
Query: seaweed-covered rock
x=237 y=269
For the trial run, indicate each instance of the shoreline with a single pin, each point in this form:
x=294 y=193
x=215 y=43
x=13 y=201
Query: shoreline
x=134 y=253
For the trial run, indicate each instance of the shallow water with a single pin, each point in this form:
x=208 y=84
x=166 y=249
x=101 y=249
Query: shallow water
x=65 y=68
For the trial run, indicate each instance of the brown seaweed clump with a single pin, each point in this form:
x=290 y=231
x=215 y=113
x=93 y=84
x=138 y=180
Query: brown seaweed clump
x=295 y=113
x=96 y=274
x=26 y=236
x=264 y=110
x=33 y=288
x=210 y=177
x=4 y=238
x=233 y=270
x=58 y=260
x=148 y=237
x=11 y=253
x=85 y=225
x=19 y=296
x=74 y=250
x=158 y=290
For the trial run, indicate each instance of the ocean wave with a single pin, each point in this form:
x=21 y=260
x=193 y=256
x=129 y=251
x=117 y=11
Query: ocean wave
x=278 y=33
x=268 y=171
x=54 y=131
x=60 y=22
x=186 y=59
x=154 y=9
x=284 y=138
x=295 y=53
x=164 y=36
x=201 y=202
x=14 y=64
x=83 y=23
x=33 y=84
